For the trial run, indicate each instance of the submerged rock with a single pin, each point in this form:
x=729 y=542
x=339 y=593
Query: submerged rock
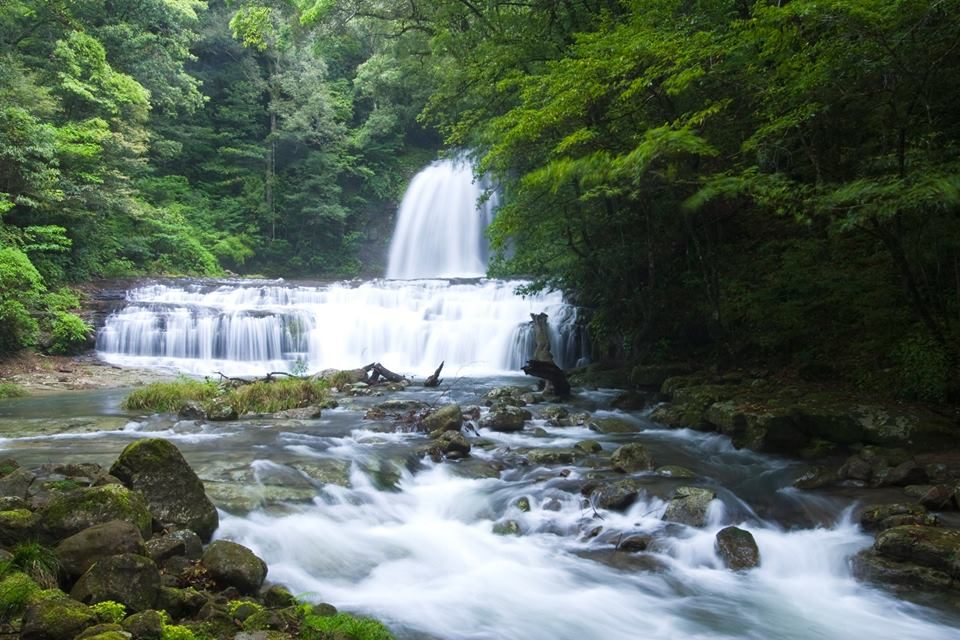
x=451 y=445
x=871 y=566
x=616 y=495
x=174 y=493
x=675 y=471
x=689 y=506
x=612 y=425
x=507 y=528
x=552 y=456
x=631 y=458
x=737 y=548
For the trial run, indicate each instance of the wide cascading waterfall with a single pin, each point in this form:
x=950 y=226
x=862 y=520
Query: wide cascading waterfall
x=440 y=224
x=433 y=307
x=477 y=326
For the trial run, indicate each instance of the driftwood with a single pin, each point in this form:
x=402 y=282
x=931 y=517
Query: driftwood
x=267 y=378
x=374 y=371
x=435 y=379
x=550 y=372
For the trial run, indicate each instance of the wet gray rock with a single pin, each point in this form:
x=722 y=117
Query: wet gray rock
x=451 y=445
x=616 y=495
x=191 y=410
x=17 y=483
x=174 y=493
x=552 y=456
x=82 y=550
x=329 y=471
x=870 y=566
x=219 y=410
x=176 y=543
x=17 y=525
x=737 y=548
x=689 y=506
x=588 y=446
x=300 y=413
x=635 y=544
x=447 y=418
x=233 y=565
x=130 y=579
x=938 y=497
x=631 y=458
x=932 y=547
x=612 y=425
x=505 y=419
x=146 y=625
x=675 y=471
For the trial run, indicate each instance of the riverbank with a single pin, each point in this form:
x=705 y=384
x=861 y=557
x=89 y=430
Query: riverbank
x=36 y=373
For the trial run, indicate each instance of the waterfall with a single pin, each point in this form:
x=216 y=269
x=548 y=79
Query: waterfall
x=249 y=328
x=440 y=224
x=427 y=311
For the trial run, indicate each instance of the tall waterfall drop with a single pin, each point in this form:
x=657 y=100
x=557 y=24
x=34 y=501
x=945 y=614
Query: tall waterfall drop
x=250 y=327
x=440 y=225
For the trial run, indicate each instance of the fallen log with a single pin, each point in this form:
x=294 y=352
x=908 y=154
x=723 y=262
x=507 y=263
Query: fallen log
x=550 y=372
x=434 y=380
x=375 y=371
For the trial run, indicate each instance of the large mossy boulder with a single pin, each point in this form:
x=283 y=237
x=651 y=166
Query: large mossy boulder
x=145 y=625
x=933 y=547
x=130 y=579
x=631 y=458
x=60 y=618
x=689 y=506
x=768 y=426
x=887 y=516
x=447 y=418
x=82 y=550
x=69 y=513
x=233 y=565
x=174 y=493
x=17 y=525
x=505 y=419
x=873 y=567
x=737 y=548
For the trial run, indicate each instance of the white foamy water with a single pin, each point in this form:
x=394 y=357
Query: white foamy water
x=440 y=225
x=480 y=326
x=426 y=561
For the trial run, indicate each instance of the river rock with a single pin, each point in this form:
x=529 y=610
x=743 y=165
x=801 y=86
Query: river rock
x=233 y=565
x=173 y=491
x=60 y=618
x=887 y=516
x=219 y=410
x=908 y=472
x=103 y=631
x=552 y=456
x=505 y=419
x=17 y=482
x=72 y=512
x=675 y=471
x=300 y=413
x=449 y=444
x=631 y=458
x=588 y=446
x=737 y=548
x=145 y=625
x=191 y=410
x=82 y=550
x=507 y=528
x=933 y=547
x=130 y=579
x=447 y=418
x=612 y=425
x=326 y=471
x=631 y=401
x=635 y=544
x=871 y=566
x=938 y=497
x=616 y=495
x=689 y=506
x=17 y=525
x=183 y=543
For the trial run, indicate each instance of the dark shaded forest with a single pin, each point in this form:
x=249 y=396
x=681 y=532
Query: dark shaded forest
x=772 y=183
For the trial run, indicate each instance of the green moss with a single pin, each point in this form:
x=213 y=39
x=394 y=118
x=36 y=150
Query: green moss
x=108 y=502
x=17 y=590
x=63 y=485
x=177 y=632
x=320 y=628
x=109 y=611
x=16 y=517
x=35 y=560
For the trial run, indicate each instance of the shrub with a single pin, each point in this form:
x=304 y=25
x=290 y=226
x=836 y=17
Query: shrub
x=317 y=627
x=923 y=367
x=109 y=612
x=69 y=333
x=11 y=390
x=276 y=395
x=20 y=289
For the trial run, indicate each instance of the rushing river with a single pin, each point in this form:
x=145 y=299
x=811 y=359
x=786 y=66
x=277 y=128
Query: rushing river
x=344 y=510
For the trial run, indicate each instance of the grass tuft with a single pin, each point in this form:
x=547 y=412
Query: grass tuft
x=322 y=627
x=37 y=561
x=168 y=397
x=17 y=590
x=11 y=390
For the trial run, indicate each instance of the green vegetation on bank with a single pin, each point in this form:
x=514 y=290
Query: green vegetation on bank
x=255 y=397
x=11 y=390
x=342 y=625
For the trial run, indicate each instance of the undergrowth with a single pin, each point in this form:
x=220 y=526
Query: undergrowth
x=343 y=624
x=254 y=397
x=11 y=390
x=36 y=561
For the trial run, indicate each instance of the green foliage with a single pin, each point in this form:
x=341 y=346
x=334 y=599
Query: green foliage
x=317 y=627
x=170 y=396
x=17 y=590
x=109 y=612
x=21 y=288
x=276 y=395
x=177 y=632
x=11 y=390
x=69 y=333
x=923 y=368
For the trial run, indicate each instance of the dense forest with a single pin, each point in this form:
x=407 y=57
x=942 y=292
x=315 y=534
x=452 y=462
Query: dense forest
x=773 y=183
